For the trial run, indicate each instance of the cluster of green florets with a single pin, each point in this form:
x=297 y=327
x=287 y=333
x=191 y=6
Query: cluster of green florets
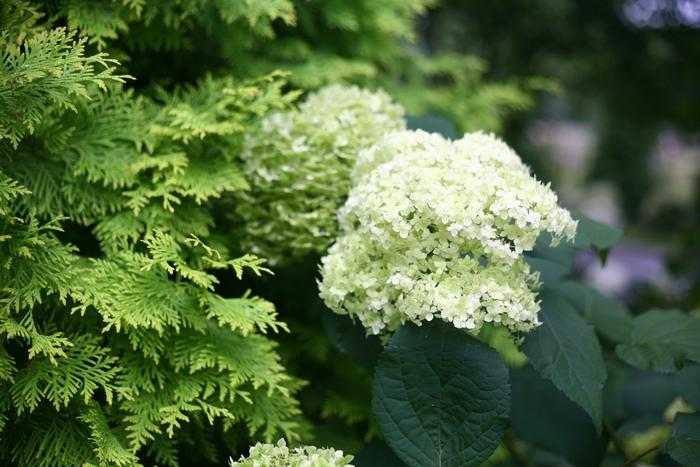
x=437 y=229
x=279 y=455
x=299 y=167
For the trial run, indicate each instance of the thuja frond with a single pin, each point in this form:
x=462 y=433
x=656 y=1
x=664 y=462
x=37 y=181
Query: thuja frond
x=7 y=367
x=10 y=190
x=256 y=12
x=50 y=72
x=245 y=314
x=219 y=106
x=105 y=21
x=100 y=21
x=33 y=265
x=127 y=296
x=105 y=138
x=17 y=21
x=48 y=438
x=77 y=163
x=125 y=229
x=107 y=446
x=86 y=368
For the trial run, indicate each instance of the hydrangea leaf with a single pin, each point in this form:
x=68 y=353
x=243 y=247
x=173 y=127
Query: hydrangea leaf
x=565 y=350
x=684 y=445
x=662 y=340
x=610 y=318
x=688 y=382
x=544 y=417
x=551 y=272
x=563 y=253
x=592 y=234
x=351 y=338
x=440 y=396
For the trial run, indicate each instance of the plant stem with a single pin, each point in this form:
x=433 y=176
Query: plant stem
x=619 y=446
x=631 y=462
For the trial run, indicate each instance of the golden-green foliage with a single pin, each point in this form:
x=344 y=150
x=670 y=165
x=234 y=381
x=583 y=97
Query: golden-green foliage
x=125 y=342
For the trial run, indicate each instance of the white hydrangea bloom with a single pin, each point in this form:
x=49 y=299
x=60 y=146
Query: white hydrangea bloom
x=279 y=455
x=437 y=229
x=299 y=167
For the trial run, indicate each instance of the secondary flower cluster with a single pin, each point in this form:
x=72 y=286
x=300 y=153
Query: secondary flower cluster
x=299 y=167
x=270 y=455
x=437 y=229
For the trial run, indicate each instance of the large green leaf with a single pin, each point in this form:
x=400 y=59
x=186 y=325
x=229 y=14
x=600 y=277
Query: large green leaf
x=544 y=417
x=565 y=350
x=662 y=340
x=684 y=445
x=592 y=234
x=551 y=272
x=440 y=396
x=564 y=253
x=609 y=317
x=553 y=263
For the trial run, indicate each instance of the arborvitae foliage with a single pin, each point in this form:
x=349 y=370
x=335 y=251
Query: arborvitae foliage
x=113 y=353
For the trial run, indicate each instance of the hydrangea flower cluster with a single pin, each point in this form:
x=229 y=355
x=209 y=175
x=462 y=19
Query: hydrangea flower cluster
x=279 y=455
x=299 y=167
x=437 y=229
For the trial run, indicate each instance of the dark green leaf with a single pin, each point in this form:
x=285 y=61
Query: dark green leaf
x=633 y=395
x=565 y=350
x=550 y=272
x=440 y=396
x=563 y=254
x=609 y=317
x=592 y=234
x=351 y=338
x=684 y=445
x=662 y=340
x=544 y=417
x=688 y=383
x=648 y=394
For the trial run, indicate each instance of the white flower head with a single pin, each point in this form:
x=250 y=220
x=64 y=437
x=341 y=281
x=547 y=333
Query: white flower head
x=437 y=229
x=279 y=455
x=299 y=164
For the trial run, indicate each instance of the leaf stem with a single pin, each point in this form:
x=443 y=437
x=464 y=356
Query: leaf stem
x=619 y=446
x=631 y=462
